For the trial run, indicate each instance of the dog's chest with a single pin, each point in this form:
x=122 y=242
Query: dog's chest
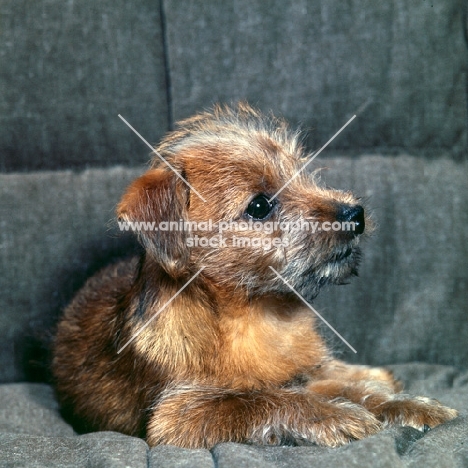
x=267 y=348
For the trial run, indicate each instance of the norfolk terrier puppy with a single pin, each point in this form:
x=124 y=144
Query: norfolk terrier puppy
x=205 y=339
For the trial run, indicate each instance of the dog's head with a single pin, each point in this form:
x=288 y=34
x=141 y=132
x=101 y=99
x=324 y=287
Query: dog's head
x=231 y=198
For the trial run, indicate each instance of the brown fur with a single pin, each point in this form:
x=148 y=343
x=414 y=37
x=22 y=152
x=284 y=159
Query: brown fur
x=235 y=356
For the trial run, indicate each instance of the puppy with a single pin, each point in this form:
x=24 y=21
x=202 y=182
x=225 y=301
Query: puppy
x=204 y=339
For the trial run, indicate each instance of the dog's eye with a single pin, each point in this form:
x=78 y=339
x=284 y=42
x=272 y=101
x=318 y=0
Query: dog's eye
x=260 y=207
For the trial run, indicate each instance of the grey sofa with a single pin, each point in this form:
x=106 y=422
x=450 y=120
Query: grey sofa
x=68 y=69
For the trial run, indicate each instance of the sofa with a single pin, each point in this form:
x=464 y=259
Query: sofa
x=68 y=70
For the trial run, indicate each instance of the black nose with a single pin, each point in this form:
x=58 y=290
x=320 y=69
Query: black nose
x=352 y=214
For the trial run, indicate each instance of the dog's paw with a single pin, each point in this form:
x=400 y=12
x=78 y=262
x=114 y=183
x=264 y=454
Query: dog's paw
x=348 y=422
x=419 y=412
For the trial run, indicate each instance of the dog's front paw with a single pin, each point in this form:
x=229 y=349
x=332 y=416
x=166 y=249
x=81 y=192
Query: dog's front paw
x=418 y=412
x=348 y=422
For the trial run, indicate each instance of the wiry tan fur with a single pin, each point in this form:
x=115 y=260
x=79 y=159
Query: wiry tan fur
x=235 y=356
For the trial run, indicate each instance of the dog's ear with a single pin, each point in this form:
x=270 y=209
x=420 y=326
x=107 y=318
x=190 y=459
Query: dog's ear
x=151 y=203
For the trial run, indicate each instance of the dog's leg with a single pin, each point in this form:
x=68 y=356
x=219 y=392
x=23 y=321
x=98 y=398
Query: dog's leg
x=339 y=370
x=376 y=392
x=202 y=417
